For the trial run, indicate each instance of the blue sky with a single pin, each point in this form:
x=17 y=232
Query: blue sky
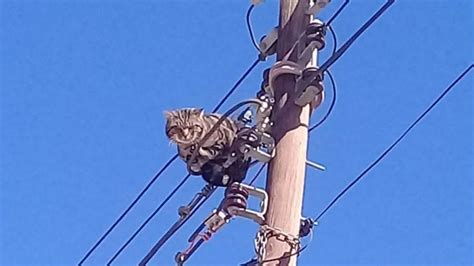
x=84 y=85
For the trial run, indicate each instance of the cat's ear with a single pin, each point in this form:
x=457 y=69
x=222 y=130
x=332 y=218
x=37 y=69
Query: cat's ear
x=198 y=112
x=168 y=115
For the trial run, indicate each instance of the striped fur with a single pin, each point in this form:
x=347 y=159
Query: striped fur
x=186 y=127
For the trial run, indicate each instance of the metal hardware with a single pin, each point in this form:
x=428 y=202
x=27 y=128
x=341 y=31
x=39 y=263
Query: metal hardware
x=317 y=6
x=183 y=211
x=260 y=243
x=309 y=85
x=306 y=226
x=267 y=44
x=316 y=165
x=234 y=204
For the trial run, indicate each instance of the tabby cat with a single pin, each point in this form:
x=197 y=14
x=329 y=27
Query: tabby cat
x=186 y=127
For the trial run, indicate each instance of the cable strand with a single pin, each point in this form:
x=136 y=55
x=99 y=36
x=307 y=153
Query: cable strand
x=333 y=102
x=153 y=214
x=338 y=12
x=374 y=163
x=249 y=27
x=127 y=210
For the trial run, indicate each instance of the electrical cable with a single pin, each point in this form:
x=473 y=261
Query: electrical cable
x=333 y=83
x=334 y=39
x=236 y=85
x=333 y=102
x=445 y=92
x=337 y=12
x=173 y=230
x=257 y=174
x=374 y=163
x=122 y=248
x=355 y=36
x=134 y=202
x=334 y=57
x=249 y=27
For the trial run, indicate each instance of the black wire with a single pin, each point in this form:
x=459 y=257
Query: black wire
x=257 y=174
x=333 y=102
x=334 y=39
x=109 y=230
x=249 y=27
x=173 y=230
x=355 y=36
x=379 y=159
x=337 y=12
x=155 y=177
x=148 y=219
x=374 y=163
x=246 y=73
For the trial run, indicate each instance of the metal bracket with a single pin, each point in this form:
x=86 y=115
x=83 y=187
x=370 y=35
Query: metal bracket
x=316 y=165
x=280 y=68
x=267 y=44
x=235 y=202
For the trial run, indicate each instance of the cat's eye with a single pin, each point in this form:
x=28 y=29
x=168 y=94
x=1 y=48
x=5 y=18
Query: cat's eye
x=172 y=130
x=198 y=128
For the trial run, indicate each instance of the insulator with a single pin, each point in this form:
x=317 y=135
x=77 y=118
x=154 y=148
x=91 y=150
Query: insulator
x=315 y=32
x=236 y=197
x=306 y=225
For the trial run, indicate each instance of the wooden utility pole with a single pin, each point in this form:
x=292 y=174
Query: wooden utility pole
x=285 y=182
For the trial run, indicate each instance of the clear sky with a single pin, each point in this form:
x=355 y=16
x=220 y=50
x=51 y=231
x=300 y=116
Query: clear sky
x=84 y=85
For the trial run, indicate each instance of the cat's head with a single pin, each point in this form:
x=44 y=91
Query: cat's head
x=184 y=126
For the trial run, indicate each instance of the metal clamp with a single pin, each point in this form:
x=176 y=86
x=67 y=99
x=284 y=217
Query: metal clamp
x=267 y=45
x=280 y=68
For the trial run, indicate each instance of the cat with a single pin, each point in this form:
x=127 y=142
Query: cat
x=186 y=127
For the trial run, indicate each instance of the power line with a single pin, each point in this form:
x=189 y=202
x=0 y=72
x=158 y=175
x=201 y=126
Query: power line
x=122 y=248
x=333 y=102
x=446 y=91
x=134 y=202
x=333 y=82
x=339 y=10
x=249 y=27
x=334 y=39
x=174 y=228
x=257 y=174
x=355 y=36
x=374 y=163
x=239 y=81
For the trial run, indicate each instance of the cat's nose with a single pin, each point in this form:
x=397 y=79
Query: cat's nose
x=185 y=131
